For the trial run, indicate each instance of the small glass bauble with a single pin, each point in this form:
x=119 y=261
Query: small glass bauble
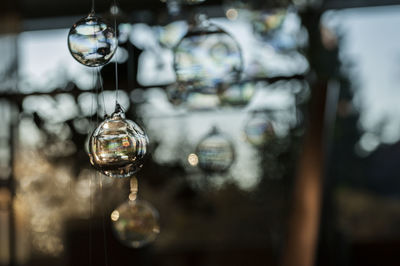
x=92 y=41
x=118 y=146
x=207 y=58
x=259 y=130
x=135 y=223
x=215 y=152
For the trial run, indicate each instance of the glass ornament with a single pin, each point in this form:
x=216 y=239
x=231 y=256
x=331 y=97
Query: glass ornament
x=215 y=152
x=277 y=27
x=170 y=35
x=135 y=223
x=118 y=146
x=259 y=130
x=92 y=41
x=207 y=58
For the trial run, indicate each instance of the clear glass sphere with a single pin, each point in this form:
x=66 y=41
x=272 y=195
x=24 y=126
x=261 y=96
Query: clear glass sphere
x=91 y=41
x=259 y=130
x=135 y=223
x=207 y=58
x=215 y=152
x=118 y=146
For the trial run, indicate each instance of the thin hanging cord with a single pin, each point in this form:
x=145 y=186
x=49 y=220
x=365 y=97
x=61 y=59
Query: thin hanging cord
x=90 y=220
x=92 y=108
x=92 y=10
x=102 y=91
x=116 y=61
x=104 y=224
x=98 y=175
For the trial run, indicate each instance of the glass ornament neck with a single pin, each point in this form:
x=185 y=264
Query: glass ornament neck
x=118 y=113
x=92 y=14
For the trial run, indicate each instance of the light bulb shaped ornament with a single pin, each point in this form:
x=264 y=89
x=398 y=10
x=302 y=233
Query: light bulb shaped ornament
x=92 y=41
x=118 y=146
x=207 y=58
x=215 y=152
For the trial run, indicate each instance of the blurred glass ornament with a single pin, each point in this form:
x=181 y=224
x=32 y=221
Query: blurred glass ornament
x=278 y=27
x=259 y=130
x=207 y=57
x=135 y=223
x=92 y=41
x=238 y=94
x=118 y=146
x=170 y=35
x=116 y=15
x=215 y=152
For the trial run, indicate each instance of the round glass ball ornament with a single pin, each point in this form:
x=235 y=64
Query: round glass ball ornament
x=135 y=223
x=92 y=41
x=259 y=130
x=207 y=58
x=118 y=146
x=215 y=152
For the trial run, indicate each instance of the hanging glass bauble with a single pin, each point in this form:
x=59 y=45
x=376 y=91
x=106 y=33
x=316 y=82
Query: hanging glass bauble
x=92 y=41
x=207 y=58
x=135 y=223
x=259 y=130
x=118 y=146
x=215 y=152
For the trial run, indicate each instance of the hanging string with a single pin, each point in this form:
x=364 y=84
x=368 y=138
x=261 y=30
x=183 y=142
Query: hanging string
x=92 y=108
x=103 y=221
x=92 y=10
x=116 y=61
x=102 y=92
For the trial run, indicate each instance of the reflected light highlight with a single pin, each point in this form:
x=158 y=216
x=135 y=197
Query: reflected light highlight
x=115 y=215
x=193 y=159
x=231 y=14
